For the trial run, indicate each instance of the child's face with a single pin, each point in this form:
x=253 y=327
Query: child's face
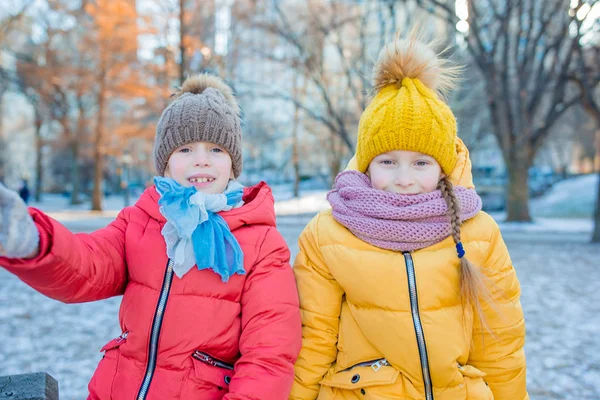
x=206 y=166
x=404 y=172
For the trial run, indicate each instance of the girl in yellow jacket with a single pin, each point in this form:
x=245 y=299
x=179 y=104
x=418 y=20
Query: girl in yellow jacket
x=407 y=290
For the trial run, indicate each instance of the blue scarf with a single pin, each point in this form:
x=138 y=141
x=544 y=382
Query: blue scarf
x=195 y=233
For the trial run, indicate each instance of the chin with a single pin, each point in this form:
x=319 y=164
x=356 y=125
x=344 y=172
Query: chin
x=212 y=189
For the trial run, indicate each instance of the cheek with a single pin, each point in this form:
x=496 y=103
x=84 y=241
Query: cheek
x=379 y=179
x=173 y=168
x=225 y=166
x=430 y=181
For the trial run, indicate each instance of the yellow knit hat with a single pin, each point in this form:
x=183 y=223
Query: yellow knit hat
x=407 y=112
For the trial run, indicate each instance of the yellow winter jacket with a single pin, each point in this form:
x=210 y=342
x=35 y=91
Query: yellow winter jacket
x=380 y=324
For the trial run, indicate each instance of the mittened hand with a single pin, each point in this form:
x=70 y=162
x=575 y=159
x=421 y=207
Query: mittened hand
x=19 y=237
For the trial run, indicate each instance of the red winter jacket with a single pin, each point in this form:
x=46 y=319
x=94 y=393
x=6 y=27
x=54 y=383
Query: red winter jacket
x=252 y=322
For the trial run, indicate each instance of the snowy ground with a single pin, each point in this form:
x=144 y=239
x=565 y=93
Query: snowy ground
x=557 y=267
x=571 y=198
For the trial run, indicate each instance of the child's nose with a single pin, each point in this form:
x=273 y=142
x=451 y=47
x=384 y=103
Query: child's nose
x=404 y=179
x=202 y=158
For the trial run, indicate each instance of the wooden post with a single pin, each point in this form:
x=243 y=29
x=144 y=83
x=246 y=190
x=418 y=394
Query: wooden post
x=37 y=386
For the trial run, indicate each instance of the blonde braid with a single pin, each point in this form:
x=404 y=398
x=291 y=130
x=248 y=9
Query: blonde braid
x=472 y=287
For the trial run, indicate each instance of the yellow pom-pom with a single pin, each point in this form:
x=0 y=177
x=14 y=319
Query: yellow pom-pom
x=414 y=58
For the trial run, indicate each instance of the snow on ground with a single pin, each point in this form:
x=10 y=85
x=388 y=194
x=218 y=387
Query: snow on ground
x=571 y=198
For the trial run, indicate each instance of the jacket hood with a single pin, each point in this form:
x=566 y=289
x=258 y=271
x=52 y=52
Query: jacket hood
x=461 y=174
x=258 y=208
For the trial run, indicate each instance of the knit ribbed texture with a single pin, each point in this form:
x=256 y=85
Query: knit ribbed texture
x=410 y=117
x=204 y=117
x=394 y=221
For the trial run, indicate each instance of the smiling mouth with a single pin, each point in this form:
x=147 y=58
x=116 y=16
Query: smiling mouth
x=201 y=180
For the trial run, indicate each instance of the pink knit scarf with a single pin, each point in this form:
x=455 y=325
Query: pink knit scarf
x=394 y=221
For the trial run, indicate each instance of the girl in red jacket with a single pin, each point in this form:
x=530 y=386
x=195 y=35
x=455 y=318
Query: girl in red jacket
x=210 y=307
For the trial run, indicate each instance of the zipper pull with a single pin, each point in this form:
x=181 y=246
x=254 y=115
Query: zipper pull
x=205 y=358
x=376 y=365
x=379 y=363
x=122 y=337
x=210 y=360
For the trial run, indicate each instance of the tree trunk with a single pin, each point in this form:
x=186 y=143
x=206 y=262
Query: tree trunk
x=39 y=170
x=295 y=152
x=3 y=146
x=98 y=143
x=334 y=158
x=517 y=198
x=75 y=172
x=295 y=156
x=3 y=142
x=182 y=40
x=596 y=234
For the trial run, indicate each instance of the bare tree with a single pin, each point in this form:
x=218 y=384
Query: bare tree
x=524 y=50
x=297 y=91
x=586 y=75
x=182 y=41
x=324 y=45
x=195 y=34
x=112 y=40
x=59 y=84
x=33 y=94
x=7 y=26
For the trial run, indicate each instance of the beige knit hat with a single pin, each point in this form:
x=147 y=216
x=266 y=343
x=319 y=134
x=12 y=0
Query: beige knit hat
x=204 y=110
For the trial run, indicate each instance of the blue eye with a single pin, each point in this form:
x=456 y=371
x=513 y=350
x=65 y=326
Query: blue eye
x=185 y=150
x=386 y=162
x=216 y=150
x=422 y=163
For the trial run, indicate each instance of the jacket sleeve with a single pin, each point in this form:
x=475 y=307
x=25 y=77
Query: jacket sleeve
x=74 y=268
x=500 y=353
x=320 y=305
x=271 y=329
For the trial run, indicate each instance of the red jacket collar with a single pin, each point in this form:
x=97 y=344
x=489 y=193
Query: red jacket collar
x=258 y=208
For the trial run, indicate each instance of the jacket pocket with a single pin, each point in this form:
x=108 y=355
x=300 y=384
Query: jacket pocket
x=477 y=388
x=100 y=385
x=363 y=382
x=211 y=371
x=206 y=380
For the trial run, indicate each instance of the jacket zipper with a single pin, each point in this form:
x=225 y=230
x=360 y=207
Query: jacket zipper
x=375 y=364
x=414 y=307
x=210 y=360
x=156 y=327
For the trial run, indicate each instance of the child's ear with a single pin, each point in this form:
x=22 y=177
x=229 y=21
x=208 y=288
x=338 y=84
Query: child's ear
x=231 y=176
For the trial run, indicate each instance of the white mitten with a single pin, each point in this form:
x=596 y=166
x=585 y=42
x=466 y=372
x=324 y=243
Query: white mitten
x=19 y=237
